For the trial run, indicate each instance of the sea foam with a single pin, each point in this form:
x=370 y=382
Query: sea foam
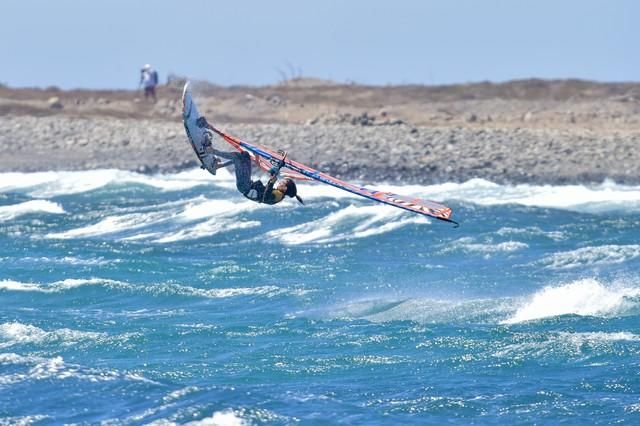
x=606 y=196
x=470 y=245
x=51 y=184
x=60 y=286
x=190 y=219
x=220 y=418
x=591 y=256
x=562 y=345
x=13 y=333
x=159 y=289
x=586 y=297
x=352 y=222
x=11 y=212
x=34 y=368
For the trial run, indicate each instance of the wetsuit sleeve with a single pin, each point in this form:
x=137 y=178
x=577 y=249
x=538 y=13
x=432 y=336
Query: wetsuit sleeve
x=267 y=196
x=272 y=196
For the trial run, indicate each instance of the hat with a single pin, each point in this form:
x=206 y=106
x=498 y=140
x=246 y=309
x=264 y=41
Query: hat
x=146 y=67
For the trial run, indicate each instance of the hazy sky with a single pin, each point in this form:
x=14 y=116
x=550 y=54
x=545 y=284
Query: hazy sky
x=103 y=44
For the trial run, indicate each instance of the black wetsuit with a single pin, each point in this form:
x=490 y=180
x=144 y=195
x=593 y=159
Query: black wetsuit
x=264 y=194
x=253 y=190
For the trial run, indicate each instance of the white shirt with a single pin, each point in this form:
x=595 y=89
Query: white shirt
x=147 y=78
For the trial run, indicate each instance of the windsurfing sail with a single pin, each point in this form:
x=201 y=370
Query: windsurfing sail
x=266 y=158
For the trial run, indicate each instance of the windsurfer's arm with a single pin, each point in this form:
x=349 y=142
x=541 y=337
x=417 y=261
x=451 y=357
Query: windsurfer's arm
x=268 y=191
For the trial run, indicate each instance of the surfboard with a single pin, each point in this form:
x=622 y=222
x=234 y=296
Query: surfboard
x=197 y=132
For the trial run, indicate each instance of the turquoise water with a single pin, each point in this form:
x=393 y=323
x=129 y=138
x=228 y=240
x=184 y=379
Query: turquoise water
x=132 y=299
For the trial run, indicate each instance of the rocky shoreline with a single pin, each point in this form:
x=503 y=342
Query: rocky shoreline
x=519 y=146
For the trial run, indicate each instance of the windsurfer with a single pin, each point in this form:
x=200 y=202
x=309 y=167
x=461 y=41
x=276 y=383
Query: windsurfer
x=265 y=158
x=255 y=190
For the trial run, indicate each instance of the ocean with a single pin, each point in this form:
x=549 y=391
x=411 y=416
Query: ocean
x=170 y=299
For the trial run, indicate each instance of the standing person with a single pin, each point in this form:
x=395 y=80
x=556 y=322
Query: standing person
x=149 y=80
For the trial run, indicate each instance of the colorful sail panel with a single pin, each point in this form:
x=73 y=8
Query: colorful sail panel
x=263 y=157
x=263 y=162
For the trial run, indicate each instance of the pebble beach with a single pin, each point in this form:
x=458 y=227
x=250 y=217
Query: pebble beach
x=537 y=134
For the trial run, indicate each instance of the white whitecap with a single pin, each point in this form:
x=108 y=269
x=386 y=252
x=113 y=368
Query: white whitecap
x=586 y=297
x=607 y=196
x=12 y=333
x=219 y=216
x=112 y=225
x=351 y=222
x=13 y=211
x=60 y=286
x=195 y=218
x=469 y=245
x=154 y=289
x=532 y=231
x=591 y=256
x=580 y=345
x=51 y=184
x=212 y=293
x=11 y=285
x=422 y=310
x=599 y=337
x=32 y=368
x=242 y=417
x=220 y=418
x=177 y=394
x=23 y=420
x=205 y=229
x=202 y=208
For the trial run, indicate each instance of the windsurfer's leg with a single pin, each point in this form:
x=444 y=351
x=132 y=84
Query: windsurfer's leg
x=225 y=164
x=202 y=123
x=224 y=154
x=242 y=163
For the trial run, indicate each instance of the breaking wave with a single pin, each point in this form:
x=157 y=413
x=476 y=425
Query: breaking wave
x=349 y=223
x=162 y=289
x=591 y=256
x=13 y=333
x=604 y=197
x=607 y=196
x=51 y=184
x=424 y=310
x=560 y=345
x=40 y=368
x=469 y=245
x=192 y=219
x=60 y=286
x=29 y=207
x=586 y=297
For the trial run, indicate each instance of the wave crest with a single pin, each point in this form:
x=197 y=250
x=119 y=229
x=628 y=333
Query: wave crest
x=29 y=207
x=586 y=297
x=351 y=222
x=156 y=290
x=591 y=256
